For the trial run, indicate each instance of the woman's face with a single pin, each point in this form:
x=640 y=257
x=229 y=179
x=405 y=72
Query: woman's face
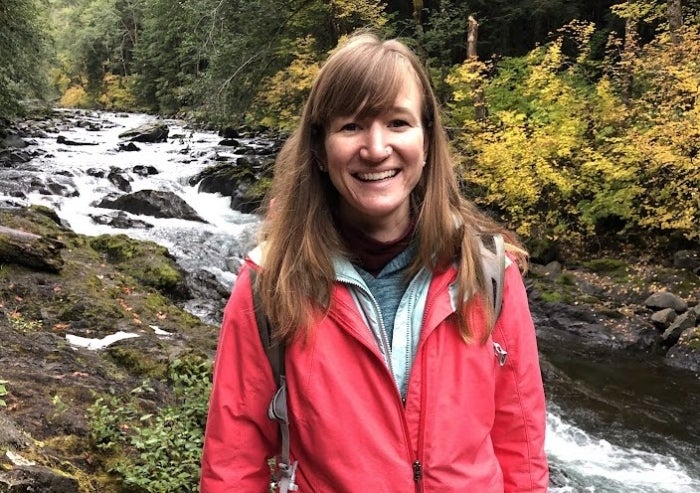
x=375 y=163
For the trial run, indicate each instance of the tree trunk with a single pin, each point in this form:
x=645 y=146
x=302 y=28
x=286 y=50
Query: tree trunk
x=629 y=53
x=472 y=55
x=30 y=250
x=472 y=35
x=675 y=20
x=418 y=14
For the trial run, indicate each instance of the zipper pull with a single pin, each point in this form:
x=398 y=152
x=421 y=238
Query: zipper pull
x=417 y=471
x=501 y=354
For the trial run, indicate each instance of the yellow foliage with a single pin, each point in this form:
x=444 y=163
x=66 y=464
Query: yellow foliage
x=283 y=95
x=75 y=97
x=116 y=93
x=558 y=152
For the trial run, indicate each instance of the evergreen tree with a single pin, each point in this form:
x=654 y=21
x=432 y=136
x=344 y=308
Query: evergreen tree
x=22 y=51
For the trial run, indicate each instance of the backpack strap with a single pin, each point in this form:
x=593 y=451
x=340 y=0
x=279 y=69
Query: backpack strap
x=274 y=351
x=493 y=262
x=285 y=473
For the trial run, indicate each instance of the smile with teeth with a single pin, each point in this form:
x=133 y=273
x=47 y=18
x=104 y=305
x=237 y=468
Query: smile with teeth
x=382 y=175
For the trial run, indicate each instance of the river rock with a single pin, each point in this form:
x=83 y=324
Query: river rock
x=240 y=181
x=664 y=299
x=673 y=333
x=13 y=140
x=121 y=220
x=62 y=140
x=593 y=328
x=152 y=203
x=229 y=142
x=128 y=147
x=144 y=170
x=229 y=133
x=117 y=178
x=149 y=132
x=685 y=354
x=688 y=260
x=30 y=479
x=663 y=318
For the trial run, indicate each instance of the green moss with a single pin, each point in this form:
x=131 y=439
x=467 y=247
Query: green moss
x=145 y=261
x=694 y=340
x=609 y=266
x=554 y=297
x=116 y=248
x=159 y=304
x=138 y=363
x=566 y=279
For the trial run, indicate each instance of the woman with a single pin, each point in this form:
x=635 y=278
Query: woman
x=371 y=275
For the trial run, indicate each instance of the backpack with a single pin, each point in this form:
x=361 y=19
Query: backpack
x=284 y=472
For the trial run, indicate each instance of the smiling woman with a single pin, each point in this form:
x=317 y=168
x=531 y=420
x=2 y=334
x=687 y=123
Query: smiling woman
x=398 y=376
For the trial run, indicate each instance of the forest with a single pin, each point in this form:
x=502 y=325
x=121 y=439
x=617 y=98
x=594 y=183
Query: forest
x=576 y=122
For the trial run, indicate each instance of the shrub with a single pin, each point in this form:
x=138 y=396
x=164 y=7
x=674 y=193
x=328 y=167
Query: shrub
x=157 y=452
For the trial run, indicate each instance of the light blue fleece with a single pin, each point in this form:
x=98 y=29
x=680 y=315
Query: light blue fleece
x=392 y=307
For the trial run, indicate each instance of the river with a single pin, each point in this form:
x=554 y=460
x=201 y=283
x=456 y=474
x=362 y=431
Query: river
x=614 y=425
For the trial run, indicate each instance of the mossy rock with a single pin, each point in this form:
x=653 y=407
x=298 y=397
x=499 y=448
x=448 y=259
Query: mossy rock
x=145 y=261
x=138 y=362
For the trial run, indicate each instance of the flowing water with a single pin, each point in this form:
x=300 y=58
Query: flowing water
x=613 y=426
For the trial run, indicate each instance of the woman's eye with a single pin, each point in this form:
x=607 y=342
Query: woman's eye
x=398 y=123
x=350 y=127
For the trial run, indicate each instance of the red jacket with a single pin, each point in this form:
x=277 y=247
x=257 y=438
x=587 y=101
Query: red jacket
x=468 y=424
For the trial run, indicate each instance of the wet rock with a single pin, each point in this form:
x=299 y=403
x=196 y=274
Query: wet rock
x=229 y=142
x=129 y=147
x=62 y=140
x=121 y=220
x=33 y=479
x=680 y=324
x=63 y=188
x=245 y=181
x=143 y=170
x=593 y=328
x=96 y=172
x=552 y=269
x=149 y=132
x=10 y=435
x=117 y=179
x=13 y=140
x=229 y=133
x=664 y=299
x=663 y=318
x=9 y=157
x=685 y=354
x=152 y=203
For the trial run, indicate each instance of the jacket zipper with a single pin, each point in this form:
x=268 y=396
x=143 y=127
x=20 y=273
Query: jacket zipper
x=415 y=456
x=418 y=461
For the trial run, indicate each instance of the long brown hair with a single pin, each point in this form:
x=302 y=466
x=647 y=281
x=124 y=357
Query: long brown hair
x=300 y=238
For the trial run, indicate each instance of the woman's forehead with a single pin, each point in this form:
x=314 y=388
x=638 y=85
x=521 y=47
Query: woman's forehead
x=371 y=97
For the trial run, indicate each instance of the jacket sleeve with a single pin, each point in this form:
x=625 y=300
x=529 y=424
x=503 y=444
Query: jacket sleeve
x=519 y=426
x=239 y=438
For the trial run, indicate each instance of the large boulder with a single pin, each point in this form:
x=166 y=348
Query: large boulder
x=149 y=132
x=246 y=181
x=154 y=203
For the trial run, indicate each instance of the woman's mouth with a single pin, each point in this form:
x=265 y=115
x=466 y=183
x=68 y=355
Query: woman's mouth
x=381 y=175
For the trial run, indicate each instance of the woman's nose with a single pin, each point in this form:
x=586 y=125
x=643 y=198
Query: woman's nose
x=376 y=147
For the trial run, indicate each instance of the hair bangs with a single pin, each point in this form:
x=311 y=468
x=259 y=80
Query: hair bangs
x=364 y=87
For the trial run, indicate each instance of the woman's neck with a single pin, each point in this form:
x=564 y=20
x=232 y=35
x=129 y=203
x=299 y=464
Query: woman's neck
x=370 y=253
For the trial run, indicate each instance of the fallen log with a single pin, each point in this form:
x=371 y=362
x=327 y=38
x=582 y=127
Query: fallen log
x=30 y=250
